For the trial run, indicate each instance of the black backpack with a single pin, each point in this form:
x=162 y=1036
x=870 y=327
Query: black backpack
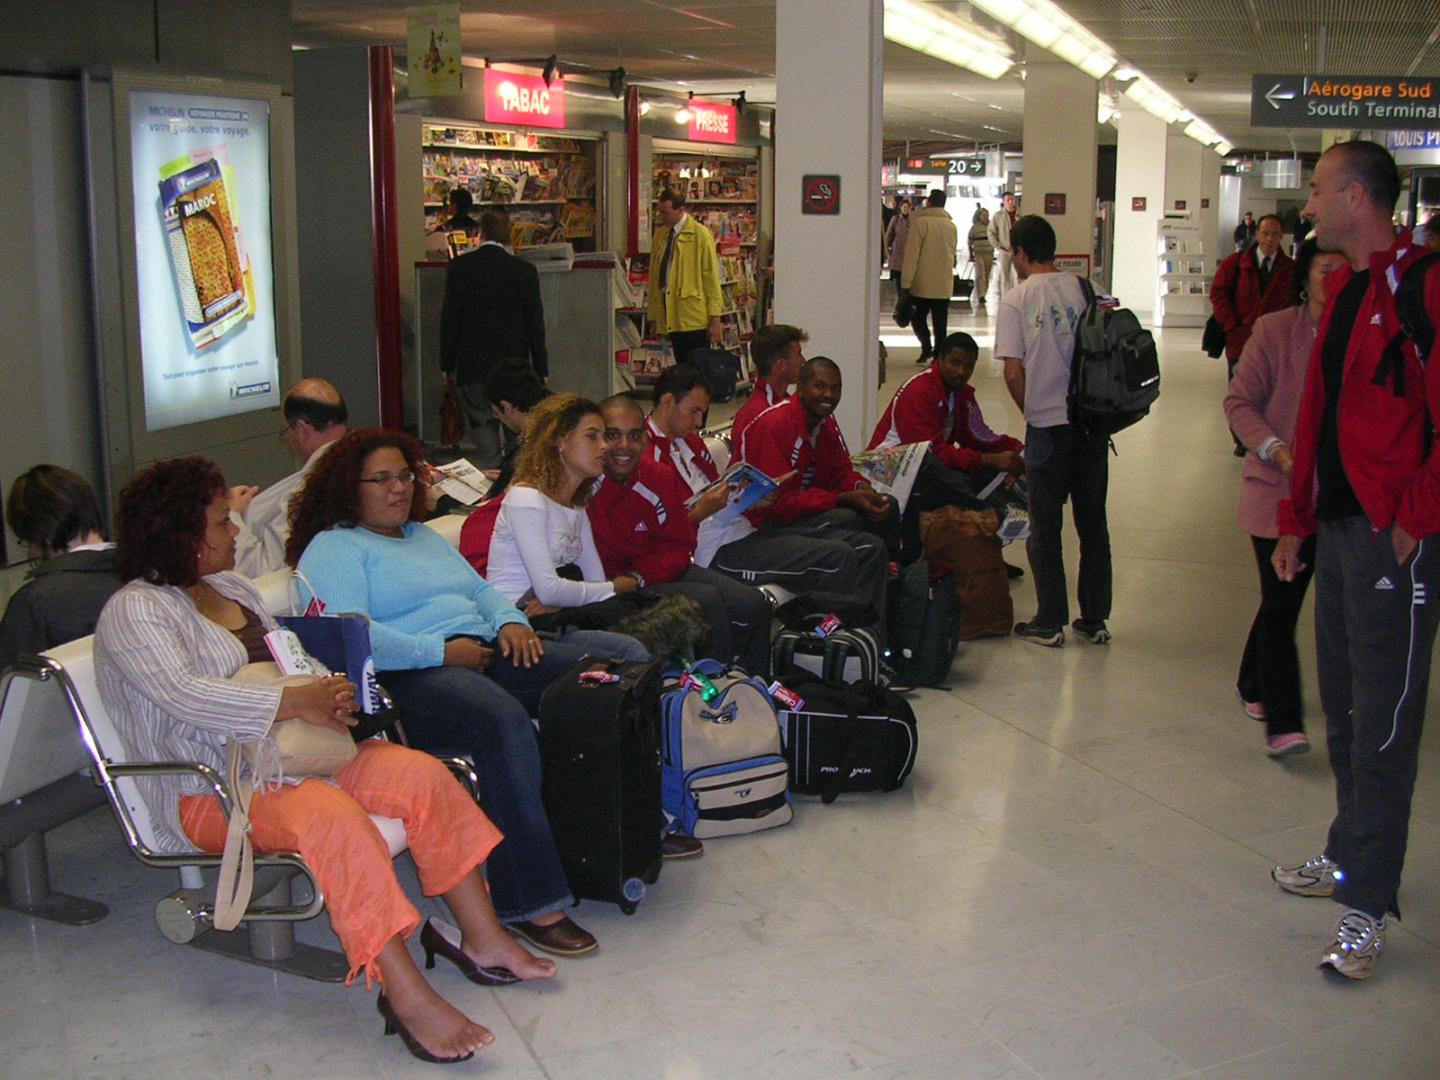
x=924 y=613
x=721 y=370
x=1115 y=372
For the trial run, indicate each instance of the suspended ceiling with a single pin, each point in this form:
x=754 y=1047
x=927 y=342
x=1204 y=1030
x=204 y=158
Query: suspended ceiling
x=1201 y=51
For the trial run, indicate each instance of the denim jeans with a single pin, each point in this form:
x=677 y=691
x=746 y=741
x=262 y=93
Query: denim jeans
x=1062 y=463
x=486 y=717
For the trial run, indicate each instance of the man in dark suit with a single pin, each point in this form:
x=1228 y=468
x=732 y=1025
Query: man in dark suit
x=492 y=310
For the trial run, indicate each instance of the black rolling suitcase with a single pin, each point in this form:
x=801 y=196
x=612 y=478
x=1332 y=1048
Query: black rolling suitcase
x=600 y=749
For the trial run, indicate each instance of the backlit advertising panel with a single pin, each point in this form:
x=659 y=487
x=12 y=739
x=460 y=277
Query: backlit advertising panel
x=200 y=173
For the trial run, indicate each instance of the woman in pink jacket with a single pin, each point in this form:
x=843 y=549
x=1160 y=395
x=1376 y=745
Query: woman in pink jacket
x=1261 y=408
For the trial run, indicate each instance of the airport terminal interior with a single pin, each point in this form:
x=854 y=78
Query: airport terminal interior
x=1075 y=881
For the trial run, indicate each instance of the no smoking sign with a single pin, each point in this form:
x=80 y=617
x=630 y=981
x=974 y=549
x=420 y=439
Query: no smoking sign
x=820 y=194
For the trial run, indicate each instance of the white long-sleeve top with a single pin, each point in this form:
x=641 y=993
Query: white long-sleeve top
x=164 y=675
x=533 y=536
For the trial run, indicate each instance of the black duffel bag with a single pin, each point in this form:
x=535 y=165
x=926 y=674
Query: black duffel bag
x=860 y=737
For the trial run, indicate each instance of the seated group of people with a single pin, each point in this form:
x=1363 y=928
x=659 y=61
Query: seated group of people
x=594 y=501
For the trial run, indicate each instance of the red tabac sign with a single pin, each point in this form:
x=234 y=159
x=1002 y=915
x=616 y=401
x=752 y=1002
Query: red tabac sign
x=713 y=123
x=525 y=100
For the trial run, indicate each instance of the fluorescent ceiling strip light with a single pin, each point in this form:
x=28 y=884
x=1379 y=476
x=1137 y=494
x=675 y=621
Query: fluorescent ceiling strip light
x=1223 y=149
x=1048 y=26
x=924 y=29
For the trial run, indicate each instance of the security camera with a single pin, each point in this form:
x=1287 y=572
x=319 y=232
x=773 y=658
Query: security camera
x=1190 y=76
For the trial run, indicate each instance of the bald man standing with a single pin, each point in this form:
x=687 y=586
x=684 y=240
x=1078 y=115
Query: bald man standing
x=315 y=417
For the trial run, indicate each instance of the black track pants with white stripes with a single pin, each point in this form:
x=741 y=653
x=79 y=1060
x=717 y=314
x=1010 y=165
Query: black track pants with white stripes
x=1375 y=626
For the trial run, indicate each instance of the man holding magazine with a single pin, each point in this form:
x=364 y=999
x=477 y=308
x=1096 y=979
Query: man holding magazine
x=639 y=517
x=819 y=528
x=938 y=407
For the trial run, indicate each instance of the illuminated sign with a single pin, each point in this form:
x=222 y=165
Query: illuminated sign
x=1344 y=101
x=713 y=123
x=525 y=100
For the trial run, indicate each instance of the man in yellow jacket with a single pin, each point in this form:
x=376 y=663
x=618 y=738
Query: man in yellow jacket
x=928 y=273
x=685 y=297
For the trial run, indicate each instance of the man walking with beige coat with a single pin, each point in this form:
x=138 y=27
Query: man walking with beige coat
x=928 y=273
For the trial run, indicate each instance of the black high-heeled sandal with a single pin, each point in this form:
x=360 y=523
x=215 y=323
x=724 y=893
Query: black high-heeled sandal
x=433 y=940
x=395 y=1026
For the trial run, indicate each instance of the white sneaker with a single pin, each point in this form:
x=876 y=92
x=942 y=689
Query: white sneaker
x=1313 y=877
x=1358 y=941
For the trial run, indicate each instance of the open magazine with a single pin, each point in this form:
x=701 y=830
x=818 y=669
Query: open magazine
x=747 y=486
x=891 y=470
x=462 y=481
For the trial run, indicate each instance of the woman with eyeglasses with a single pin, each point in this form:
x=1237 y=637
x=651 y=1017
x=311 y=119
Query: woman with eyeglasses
x=458 y=657
x=167 y=649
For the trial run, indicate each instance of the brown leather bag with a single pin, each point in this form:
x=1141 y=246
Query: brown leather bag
x=967 y=540
x=452 y=417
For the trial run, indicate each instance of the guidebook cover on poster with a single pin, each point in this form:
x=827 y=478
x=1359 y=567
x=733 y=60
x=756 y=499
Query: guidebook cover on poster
x=747 y=486
x=891 y=470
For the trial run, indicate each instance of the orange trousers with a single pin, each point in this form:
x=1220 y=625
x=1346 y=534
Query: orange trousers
x=329 y=825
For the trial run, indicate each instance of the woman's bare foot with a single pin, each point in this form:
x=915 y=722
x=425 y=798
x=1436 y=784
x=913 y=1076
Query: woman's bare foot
x=437 y=1025
x=504 y=951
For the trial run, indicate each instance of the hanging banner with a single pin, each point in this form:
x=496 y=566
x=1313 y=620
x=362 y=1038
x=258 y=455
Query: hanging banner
x=433 y=50
x=512 y=98
x=713 y=123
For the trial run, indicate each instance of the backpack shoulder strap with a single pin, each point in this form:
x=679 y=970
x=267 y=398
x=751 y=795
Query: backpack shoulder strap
x=1410 y=305
x=1086 y=288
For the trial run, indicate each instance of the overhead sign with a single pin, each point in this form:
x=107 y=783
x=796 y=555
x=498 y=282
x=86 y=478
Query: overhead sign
x=1412 y=140
x=713 y=123
x=821 y=194
x=512 y=98
x=965 y=166
x=1344 y=101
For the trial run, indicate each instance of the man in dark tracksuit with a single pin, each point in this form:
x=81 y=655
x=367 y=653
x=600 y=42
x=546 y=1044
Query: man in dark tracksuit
x=1367 y=478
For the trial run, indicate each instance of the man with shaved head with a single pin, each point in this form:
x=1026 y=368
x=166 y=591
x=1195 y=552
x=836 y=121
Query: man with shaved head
x=315 y=417
x=1366 y=480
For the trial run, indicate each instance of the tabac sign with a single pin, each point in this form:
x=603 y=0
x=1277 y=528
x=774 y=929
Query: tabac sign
x=512 y=98
x=1344 y=101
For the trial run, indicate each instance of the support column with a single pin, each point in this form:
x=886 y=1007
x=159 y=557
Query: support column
x=829 y=64
x=1061 y=129
x=1139 y=174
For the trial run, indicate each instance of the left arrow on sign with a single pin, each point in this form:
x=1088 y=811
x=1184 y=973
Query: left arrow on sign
x=1274 y=97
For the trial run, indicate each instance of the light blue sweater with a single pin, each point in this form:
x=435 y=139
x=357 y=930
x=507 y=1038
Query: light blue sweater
x=417 y=590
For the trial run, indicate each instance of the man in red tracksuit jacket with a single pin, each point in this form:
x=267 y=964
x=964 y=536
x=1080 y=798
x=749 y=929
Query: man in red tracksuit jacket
x=775 y=350
x=641 y=528
x=1366 y=476
x=816 y=531
x=938 y=407
x=1248 y=284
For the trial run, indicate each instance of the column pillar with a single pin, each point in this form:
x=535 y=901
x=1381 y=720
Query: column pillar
x=1139 y=174
x=829 y=64
x=1060 y=148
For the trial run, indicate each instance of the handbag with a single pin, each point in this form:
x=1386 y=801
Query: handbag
x=304 y=749
x=452 y=417
x=1213 y=339
x=904 y=313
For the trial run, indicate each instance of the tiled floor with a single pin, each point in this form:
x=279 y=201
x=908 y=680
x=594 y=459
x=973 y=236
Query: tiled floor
x=1073 y=884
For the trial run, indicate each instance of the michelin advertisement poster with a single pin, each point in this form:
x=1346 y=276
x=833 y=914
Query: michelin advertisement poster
x=201 y=174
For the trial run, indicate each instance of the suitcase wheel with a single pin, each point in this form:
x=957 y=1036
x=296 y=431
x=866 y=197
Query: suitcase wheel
x=627 y=908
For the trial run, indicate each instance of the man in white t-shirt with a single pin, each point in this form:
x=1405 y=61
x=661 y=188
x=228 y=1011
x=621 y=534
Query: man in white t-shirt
x=1035 y=338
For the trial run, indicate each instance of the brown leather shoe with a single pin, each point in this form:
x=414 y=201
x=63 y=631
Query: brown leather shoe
x=563 y=938
x=675 y=845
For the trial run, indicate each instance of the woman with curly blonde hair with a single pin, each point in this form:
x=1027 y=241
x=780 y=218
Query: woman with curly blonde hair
x=542 y=553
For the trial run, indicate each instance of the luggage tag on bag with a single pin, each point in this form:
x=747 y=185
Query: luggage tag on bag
x=828 y=625
x=791 y=700
x=598 y=678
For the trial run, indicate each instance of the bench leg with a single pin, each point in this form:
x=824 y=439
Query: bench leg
x=27 y=887
x=184 y=918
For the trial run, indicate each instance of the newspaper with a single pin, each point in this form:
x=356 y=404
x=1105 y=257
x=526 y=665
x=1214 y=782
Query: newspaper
x=891 y=470
x=462 y=481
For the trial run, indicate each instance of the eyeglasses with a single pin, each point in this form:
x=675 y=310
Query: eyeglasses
x=385 y=479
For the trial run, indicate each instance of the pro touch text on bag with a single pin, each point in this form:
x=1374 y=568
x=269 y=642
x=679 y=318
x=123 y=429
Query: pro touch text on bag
x=721 y=770
x=852 y=738
x=1115 y=373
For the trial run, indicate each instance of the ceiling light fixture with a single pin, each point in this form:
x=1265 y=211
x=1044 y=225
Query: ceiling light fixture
x=1124 y=74
x=683 y=114
x=1223 y=149
x=552 y=69
x=644 y=106
x=739 y=102
x=1051 y=28
x=1154 y=100
x=923 y=28
x=617 y=82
